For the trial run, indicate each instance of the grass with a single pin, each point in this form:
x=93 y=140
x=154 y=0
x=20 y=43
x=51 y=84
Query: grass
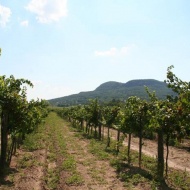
x=59 y=146
x=69 y=164
x=74 y=179
x=51 y=157
x=26 y=161
x=98 y=175
x=35 y=140
x=98 y=148
x=179 y=179
x=52 y=178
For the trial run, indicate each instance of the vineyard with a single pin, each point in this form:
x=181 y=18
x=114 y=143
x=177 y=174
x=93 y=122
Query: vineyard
x=18 y=116
x=95 y=146
x=163 y=120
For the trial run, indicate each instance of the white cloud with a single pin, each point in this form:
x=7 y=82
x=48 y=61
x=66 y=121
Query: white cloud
x=48 y=11
x=5 y=14
x=115 y=51
x=111 y=52
x=24 y=23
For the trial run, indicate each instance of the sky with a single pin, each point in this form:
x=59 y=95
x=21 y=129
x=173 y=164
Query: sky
x=67 y=46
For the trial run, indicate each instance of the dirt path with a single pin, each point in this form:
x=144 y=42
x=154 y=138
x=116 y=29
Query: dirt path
x=97 y=174
x=178 y=158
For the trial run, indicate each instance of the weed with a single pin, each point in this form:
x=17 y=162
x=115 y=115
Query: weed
x=98 y=149
x=137 y=178
x=74 y=179
x=179 y=179
x=26 y=161
x=34 y=141
x=69 y=164
x=52 y=178
x=51 y=157
x=98 y=175
x=10 y=178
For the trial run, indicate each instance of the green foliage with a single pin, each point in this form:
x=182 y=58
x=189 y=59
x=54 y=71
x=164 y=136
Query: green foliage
x=34 y=141
x=18 y=116
x=110 y=115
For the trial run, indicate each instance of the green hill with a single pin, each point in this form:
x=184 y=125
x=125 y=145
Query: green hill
x=116 y=90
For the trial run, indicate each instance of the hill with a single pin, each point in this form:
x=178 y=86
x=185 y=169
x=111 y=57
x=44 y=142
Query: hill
x=116 y=90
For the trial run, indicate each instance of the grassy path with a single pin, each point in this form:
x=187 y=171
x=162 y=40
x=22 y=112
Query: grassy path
x=55 y=157
x=74 y=166
x=59 y=157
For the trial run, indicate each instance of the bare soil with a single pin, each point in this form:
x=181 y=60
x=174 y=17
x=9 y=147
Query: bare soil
x=26 y=177
x=179 y=158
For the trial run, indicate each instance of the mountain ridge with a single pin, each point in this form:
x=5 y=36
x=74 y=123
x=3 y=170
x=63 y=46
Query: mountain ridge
x=110 y=90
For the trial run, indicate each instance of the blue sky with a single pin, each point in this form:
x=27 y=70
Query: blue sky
x=68 y=46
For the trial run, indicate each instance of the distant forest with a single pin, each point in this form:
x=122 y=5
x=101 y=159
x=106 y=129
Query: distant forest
x=115 y=92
